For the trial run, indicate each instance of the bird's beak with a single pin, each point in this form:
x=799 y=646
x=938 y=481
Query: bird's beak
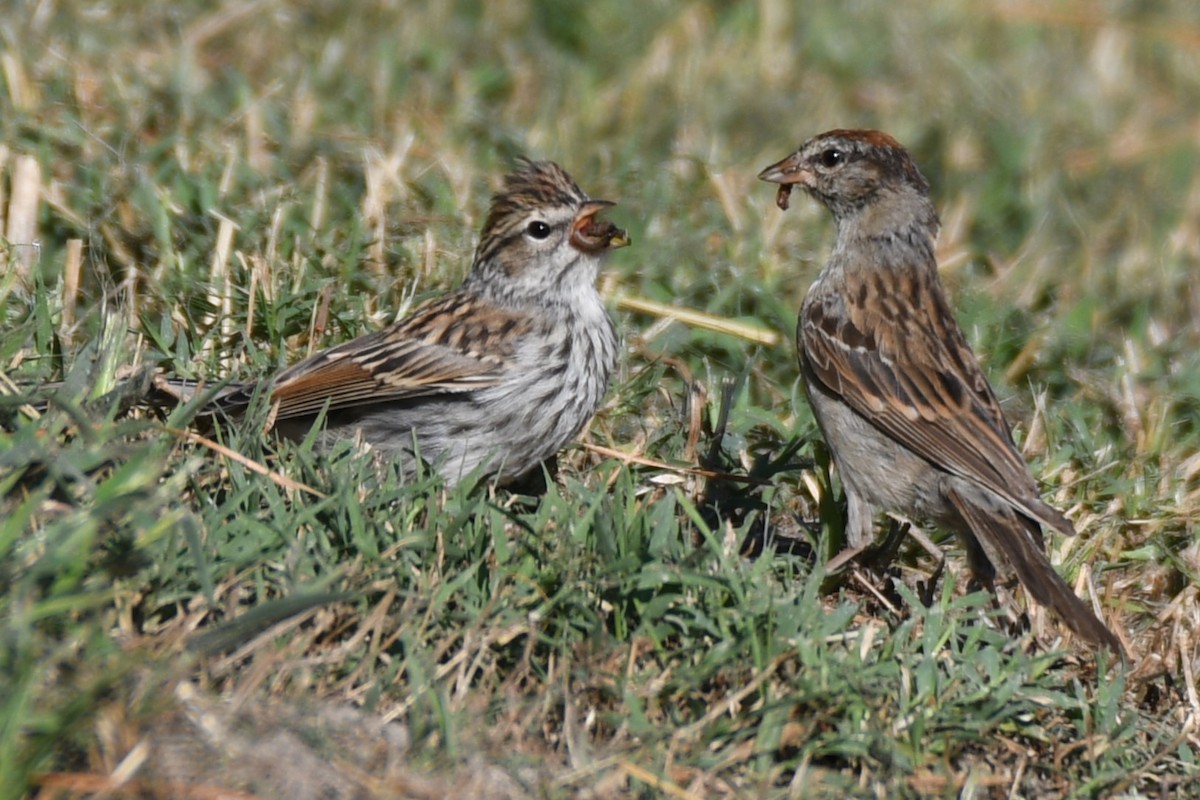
x=592 y=235
x=786 y=173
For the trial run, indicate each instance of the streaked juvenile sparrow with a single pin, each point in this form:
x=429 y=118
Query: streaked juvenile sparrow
x=909 y=417
x=499 y=374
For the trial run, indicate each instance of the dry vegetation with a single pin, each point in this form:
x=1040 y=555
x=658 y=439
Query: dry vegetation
x=219 y=191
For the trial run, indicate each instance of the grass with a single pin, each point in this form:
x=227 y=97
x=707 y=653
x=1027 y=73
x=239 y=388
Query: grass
x=222 y=191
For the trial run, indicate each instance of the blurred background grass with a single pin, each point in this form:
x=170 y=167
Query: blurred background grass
x=218 y=190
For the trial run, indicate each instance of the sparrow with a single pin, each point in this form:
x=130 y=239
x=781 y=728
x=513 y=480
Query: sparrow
x=908 y=415
x=492 y=378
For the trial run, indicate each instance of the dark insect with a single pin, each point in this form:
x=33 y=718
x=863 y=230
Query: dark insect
x=782 y=196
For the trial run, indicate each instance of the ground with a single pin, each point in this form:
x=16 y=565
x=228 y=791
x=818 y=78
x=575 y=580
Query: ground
x=211 y=192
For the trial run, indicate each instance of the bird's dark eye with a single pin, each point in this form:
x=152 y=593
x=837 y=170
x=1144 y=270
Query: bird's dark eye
x=832 y=157
x=538 y=229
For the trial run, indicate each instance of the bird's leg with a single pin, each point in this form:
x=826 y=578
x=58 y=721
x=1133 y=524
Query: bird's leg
x=861 y=546
x=883 y=553
x=875 y=556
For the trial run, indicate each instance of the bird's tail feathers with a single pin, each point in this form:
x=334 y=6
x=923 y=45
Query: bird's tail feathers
x=1016 y=539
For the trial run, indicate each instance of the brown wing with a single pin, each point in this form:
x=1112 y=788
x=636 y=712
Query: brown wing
x=456 y=343
x=917 y=380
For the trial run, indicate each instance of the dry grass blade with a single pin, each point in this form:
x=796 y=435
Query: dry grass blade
x=700 y=319
x=87 y=783
x=7 y=387
x=701 y=472
x=279 y=480
x=21 y=229
x=727 y=704
x=72 y=266
x=668 y=788
x=1089 y=16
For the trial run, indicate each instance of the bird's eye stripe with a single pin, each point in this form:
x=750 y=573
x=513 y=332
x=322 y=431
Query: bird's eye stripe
x=504 y=237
